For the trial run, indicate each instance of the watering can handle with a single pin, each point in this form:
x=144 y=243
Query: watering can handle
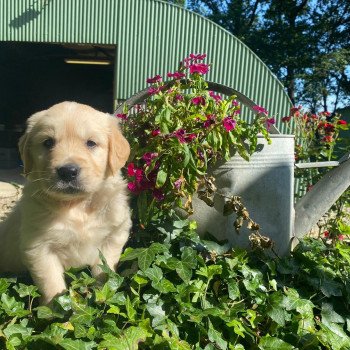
x=142 y=95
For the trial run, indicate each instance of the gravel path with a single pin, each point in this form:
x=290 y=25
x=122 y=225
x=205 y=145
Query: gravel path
x=11 y=184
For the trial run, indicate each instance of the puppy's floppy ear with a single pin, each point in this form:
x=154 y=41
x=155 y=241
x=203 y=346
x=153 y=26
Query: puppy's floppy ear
x=118 y=149
x=24 y=142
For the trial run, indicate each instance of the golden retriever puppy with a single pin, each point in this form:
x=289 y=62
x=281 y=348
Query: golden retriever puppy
x=74 y=203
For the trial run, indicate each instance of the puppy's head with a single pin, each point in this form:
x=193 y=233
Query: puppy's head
x=70 y=149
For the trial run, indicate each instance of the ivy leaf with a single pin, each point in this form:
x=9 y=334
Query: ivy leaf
x=331 y=287
x=329 y=316
x=216 y=337
x=155 y=274
x=276 y=311
x=70 y=344
x=19 y=329
x=83 y=314
x=26 y=290
x=12 y=307
x=189 y=257
x=4 y=284
x=44 y=312
x=145 y=256
x=272 y=343
x=129 y=339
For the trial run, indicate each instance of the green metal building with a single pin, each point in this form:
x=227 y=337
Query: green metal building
x=125 y=41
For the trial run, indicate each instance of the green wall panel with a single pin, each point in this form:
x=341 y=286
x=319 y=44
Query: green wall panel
x=151 y=37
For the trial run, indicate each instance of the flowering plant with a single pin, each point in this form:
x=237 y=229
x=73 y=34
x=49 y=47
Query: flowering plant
x=317 y=133
x=318 y=139
x=180 y=130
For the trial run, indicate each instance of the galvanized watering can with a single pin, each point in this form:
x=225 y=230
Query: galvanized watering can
x=266 y=186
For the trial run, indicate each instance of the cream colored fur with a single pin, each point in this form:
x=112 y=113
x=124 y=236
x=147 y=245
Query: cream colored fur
x=52 y=229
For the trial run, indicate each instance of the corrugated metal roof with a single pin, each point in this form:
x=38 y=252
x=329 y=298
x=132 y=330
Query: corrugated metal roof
x=151 y=37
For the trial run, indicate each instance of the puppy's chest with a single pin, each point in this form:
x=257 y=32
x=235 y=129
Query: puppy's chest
x=83 y=227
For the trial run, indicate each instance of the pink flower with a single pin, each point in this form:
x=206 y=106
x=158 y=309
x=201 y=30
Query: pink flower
x=179 y=98
x=216 y=97
x=132 y=187
x=295 y=111
x=154 y=91
x=286 y=119
x=210 y=120
x=269 y=122
x=183 y=137
x=178 y=183
x=329 y=127
x=327 y=138
x=155 y=132
x=198 y=56
x=180 y=135
x=190 y=137
x=235 y=103
x=341 y=237
x=176 y=75
x=122 y=116
x=200 y=68
x=229 y=124
x=199 y=100
x=260 y=109
x=148 y=157
x=155 y=79
x=158 y=195
x=135 y=172
x=342 y=122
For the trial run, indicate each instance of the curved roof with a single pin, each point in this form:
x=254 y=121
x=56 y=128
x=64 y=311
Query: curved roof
x=151 y=36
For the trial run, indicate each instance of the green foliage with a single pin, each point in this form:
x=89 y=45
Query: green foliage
x=182 y=295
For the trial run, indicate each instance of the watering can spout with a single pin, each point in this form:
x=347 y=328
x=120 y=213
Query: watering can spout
x=321 y=197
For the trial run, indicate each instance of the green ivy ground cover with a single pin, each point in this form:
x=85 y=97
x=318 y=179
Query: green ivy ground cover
x=177 y=294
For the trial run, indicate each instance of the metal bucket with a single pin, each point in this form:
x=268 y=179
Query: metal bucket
x=266 y=186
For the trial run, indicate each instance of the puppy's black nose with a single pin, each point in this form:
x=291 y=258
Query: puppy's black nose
x=68 y=172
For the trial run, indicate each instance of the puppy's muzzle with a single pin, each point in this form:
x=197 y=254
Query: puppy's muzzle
x=68 y=172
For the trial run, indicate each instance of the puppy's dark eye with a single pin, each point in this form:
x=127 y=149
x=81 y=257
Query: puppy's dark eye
x=91 y=144
x=49 y=143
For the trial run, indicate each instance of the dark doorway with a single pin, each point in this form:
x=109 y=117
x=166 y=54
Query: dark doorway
x=35 y=76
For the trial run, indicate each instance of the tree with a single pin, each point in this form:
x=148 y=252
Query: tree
x=305 y=43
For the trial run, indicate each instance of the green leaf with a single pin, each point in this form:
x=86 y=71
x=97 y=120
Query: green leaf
x=184 y=272
x=233 y=289
x=331 y=287
x=129 y=340
x=189 y=257
x=26 y=290
x=130 y=310
x=83 y=314
x=12 y=329
x=4 y=284
x=272 y=343
x=161 y=178
x=329 y=315
x=70 y=344
x=216 y=337
x=13 y=307
x=155 y=274
x=44 y=312
x=148 y=255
